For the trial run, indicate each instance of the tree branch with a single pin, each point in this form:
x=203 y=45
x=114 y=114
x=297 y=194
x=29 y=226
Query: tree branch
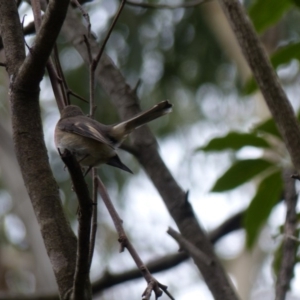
x=29 y=144
x=188 y=4
x=161 y=264
x=266 y=77
x=94 y=222
x=194 y=252
x=290 y=230
x=81 y=286
x=12 y=36
x=56 y=86
x=35 y=63
x=153 y=284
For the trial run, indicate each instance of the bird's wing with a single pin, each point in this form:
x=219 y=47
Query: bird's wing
x=88 y=128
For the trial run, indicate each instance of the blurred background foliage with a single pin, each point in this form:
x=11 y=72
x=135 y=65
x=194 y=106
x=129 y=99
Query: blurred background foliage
x=218 y=137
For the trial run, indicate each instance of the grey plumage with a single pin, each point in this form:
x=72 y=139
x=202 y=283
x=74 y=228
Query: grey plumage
x=94 y=143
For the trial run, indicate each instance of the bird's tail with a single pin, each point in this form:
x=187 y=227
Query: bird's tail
x=123 y=129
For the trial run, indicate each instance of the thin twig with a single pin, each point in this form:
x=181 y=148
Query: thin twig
x=92 y=90
x=94 y=215
x=56 y=86
x=69 y=92
x=88 y=46
x=289 y=244
x=94 y=62
x=193 y=251
x=153 y=284
x=29 y=29
x=166 y=262
x=85 y=15
x=292 y=237
x=65 y=90
x=92 y=77
x=189 y=4
x=59 y=96
x=98 y=57
x=63 y=82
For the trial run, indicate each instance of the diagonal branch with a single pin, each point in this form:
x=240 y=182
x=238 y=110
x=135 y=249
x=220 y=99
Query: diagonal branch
x=36 y=60
x=195 y=253
x=266 y=77
x=153 y=284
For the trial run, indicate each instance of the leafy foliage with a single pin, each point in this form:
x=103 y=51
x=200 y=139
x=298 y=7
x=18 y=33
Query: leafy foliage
x=240 y=172
x=234 y=141
x=267 y=126
x=266 y=13
x=267 y=195
x=270 y=188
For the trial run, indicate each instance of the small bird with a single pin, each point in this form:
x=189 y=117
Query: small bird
x=94 y=143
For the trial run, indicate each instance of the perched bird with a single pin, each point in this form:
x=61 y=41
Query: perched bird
x=94 y=143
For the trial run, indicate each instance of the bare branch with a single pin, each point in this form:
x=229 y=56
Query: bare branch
x=34 y=65
x=63 y=86
x=94 y=215
x=98 y=57
x=153 y=284
x=108 y=280
x=36 y=8
x=29 y=297
x=29 y=144
x=12 y=36
x=29 y=29
x=56 y=86
x=289 y=244
x=189 y=4
x=84 y=14
x=81 y=279
x=195 y=253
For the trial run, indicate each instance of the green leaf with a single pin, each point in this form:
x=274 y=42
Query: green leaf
x=285 y=54
x=234 y=141
x=267 y=195
x=268 y=126
x=265 y=13
x=239 y=173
